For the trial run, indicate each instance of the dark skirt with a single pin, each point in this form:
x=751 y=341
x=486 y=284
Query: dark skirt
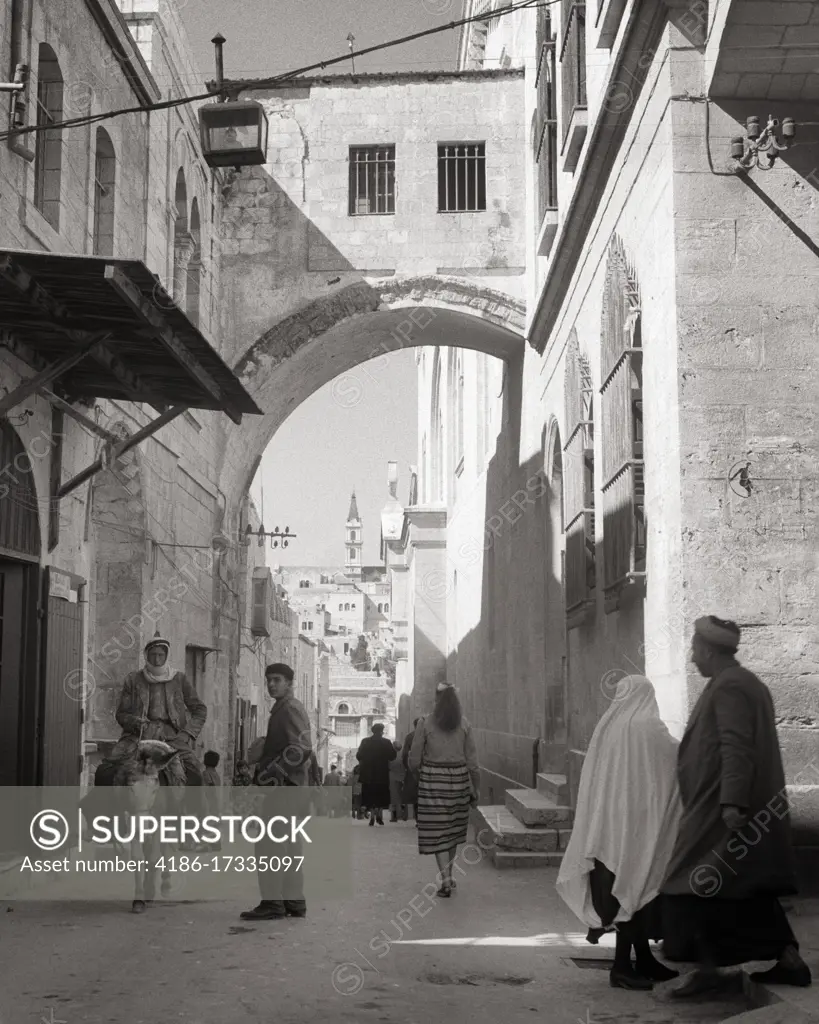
x=444 y=802
x=607 y=906
x=375 y=796
x=726 y=932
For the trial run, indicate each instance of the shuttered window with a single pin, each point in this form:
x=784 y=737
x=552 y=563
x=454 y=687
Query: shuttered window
x=545 y=137
x=578 y=483
x=573 y=61
x=624 y=525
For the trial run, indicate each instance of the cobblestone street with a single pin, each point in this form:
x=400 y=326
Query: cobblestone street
x=498 y=951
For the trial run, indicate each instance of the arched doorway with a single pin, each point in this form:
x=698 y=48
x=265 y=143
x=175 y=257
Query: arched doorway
x=20 y=549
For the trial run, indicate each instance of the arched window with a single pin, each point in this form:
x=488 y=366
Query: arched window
x=346 y=607
x=352 y=554
x=579 y=484
x=386 y=607
x=621 y=401
x=381 y=607
x=352 y=536
x=343 y=709
x=194 y=268
x=182 y=241
x=48 y=144
x=105 y=164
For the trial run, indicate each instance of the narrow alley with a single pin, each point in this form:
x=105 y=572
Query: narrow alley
x=500 y=950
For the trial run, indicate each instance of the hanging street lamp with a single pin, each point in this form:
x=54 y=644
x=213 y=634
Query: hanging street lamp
x=233 y=133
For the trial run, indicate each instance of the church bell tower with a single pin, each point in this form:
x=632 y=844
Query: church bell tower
x=354 y=544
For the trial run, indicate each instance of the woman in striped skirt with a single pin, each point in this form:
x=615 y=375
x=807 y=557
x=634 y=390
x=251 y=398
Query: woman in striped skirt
x=443 y=753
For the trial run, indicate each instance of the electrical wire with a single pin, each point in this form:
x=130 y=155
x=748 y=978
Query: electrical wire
x=234 y=86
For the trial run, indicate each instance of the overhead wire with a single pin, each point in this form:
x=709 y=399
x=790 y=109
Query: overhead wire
x=237 y=86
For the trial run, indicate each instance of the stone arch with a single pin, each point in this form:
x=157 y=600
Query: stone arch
x=118 y=517
x=327 y=338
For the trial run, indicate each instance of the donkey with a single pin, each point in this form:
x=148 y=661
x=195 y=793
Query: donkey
x=153 y=764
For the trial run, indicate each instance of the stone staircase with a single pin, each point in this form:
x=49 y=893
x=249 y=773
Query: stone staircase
x=531 y=829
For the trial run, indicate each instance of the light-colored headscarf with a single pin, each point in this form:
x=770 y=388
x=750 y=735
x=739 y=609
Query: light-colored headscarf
x=628 y=806
x=164 y=673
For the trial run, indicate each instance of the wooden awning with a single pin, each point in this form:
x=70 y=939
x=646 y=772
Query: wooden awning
x=92 y=327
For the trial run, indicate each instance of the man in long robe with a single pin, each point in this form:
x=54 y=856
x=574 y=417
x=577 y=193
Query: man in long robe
x=733 y=857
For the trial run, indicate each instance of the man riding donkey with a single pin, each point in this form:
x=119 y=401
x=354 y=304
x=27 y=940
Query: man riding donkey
x=160 y=704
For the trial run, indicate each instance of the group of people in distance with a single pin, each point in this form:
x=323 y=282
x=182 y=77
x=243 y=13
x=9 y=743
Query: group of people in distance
x=689 y=843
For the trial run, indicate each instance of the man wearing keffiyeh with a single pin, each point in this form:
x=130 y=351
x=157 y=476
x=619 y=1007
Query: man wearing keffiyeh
x=159 y=703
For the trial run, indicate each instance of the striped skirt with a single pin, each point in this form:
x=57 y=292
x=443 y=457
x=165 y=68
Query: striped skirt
x=444 y=792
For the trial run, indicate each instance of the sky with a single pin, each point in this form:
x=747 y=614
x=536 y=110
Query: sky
x=325 y=451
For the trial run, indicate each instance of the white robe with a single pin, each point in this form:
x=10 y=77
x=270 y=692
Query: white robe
x=628 y=806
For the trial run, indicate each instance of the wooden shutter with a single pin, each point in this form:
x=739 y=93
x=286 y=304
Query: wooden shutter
x=578 y=482
x=622 y=454
x=63 y=689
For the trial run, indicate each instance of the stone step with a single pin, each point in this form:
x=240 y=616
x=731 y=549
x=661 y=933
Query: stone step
x=555 y=787
x=533 y=808
x=498 y=826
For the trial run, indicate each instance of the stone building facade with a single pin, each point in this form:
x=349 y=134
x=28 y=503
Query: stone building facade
x=651 y=455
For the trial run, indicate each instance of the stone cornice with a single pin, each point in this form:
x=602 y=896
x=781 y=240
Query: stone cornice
x=643 y=32
x=114 y=28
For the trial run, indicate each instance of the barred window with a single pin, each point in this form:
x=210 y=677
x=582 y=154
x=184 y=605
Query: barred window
x=461 y=177
x=579 y=485
x=624 y=520
x=48 y=151
x=372 y=180
x=346 y=728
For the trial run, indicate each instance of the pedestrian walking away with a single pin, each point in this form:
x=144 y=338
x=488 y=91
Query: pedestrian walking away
x=374 y=755
x=444 y=754
x=733 y=857
x=284 y=761
x=398 y=809
x=626 y=821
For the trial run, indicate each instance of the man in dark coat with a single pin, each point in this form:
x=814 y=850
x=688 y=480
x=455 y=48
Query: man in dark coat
x=733 y=857
x=285 y=761
x=374 y=756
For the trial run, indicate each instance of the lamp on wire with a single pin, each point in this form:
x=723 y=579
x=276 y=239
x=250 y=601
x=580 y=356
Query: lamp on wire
x=748 y=150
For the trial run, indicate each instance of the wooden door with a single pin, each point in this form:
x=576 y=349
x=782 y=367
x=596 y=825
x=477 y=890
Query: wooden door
x=63 y=690
x=11 y=669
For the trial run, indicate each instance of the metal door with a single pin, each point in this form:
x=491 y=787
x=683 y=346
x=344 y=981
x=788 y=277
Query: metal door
x=63 y=690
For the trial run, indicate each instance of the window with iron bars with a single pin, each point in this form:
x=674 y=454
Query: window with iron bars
x=372 y=180
x=545 y=140
x=461 y=177
x=573 y=61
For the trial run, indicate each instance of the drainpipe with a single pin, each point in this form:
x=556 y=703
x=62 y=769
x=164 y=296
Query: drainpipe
x=20 y=53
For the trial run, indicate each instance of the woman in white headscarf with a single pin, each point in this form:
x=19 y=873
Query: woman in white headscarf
x=626 y=822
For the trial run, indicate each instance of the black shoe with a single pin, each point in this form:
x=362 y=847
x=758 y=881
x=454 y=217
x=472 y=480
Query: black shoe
x=262 y=913
x=629 y=979
x=800 y=977
x=296 y=913
x=372 y=822
x=444 y=892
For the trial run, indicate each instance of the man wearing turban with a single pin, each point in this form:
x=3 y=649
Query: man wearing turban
x=733 y=857
x=159 y=703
